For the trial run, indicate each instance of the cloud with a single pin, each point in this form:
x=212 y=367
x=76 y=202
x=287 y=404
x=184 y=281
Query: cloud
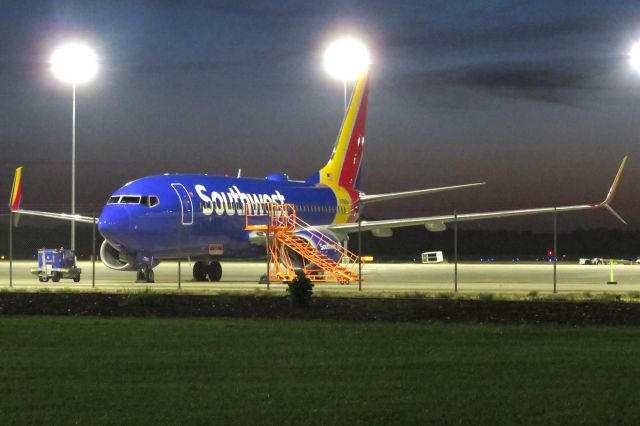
x=540 y=82
x=552 y=81
x=497 y=26
x=548 y=81
x=492 y=35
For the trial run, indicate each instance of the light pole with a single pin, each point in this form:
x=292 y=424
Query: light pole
x=73 y=63
x=345 y=59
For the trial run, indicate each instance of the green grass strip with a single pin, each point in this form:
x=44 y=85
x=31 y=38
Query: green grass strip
x=59 y=370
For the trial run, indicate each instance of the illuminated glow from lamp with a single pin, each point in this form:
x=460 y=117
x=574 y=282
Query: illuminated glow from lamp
x=346 y=58
x=634 y=56
x=74 y=63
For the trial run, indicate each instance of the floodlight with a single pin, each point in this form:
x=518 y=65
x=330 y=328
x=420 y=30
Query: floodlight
x=74 y=63
x=346 y=58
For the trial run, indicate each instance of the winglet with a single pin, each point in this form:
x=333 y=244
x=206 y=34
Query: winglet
x=612 y=191
x=15 y=201
x=615 y=213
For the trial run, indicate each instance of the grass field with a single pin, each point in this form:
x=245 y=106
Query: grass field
x=59 y=370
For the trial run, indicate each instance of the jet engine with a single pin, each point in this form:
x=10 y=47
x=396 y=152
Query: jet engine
x=115 y=259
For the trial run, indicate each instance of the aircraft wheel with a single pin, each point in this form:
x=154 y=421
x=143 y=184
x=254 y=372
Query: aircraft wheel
x=144 y=275
x=76 y=279
x=263 y=279
x=199 y=271
x=214 y=271
x=42 y=279
x=55 y=277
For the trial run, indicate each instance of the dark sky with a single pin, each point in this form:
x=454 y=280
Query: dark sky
x=534 y=97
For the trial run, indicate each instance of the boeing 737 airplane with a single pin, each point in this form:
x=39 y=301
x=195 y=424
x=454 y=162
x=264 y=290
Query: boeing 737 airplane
x=203 y=217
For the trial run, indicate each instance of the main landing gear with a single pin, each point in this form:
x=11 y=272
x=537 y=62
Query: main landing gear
x=144 y=275
x=203 y=270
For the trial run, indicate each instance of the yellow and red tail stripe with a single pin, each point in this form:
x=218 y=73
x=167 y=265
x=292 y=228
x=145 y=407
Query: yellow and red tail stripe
x=15 y=201
x=341 y=171
x=342 y=168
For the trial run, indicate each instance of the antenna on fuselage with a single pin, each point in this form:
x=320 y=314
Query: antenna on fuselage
x=240 y=172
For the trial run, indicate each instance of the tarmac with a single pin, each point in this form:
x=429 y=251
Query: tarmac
x=376 y=278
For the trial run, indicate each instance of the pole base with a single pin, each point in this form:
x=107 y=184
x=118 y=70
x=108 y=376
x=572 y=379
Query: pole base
x=612 y=282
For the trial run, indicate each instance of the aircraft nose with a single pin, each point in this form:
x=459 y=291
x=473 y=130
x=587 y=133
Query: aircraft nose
x=113 y=222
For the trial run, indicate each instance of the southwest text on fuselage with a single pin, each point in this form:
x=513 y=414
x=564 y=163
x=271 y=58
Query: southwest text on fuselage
x=234 y=200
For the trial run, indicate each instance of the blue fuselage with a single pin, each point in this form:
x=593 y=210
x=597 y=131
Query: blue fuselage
x=175 y=215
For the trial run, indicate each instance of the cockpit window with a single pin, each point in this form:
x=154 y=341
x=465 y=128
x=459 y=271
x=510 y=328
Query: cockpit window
x=150 y=200
x=145 y=200
x=130 y=199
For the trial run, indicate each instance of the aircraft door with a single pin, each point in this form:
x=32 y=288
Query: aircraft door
x=185 y=202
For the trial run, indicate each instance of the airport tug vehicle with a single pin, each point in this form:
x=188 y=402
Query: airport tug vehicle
x=55 y=264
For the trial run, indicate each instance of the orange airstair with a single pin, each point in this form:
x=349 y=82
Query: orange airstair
x=279 y=223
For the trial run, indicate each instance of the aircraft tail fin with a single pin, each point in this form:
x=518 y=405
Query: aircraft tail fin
x=343 y=167
x=15 y=201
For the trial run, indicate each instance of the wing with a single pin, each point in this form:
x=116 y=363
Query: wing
x=366 y=199
x=437 y=223
x=15 y=205
x=61 y=216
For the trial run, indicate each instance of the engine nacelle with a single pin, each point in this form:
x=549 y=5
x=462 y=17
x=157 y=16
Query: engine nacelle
x=382 y=232
x=436 y=227
x=114 y=259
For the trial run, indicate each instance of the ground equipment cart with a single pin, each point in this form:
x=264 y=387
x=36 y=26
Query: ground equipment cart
x=55 y=264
